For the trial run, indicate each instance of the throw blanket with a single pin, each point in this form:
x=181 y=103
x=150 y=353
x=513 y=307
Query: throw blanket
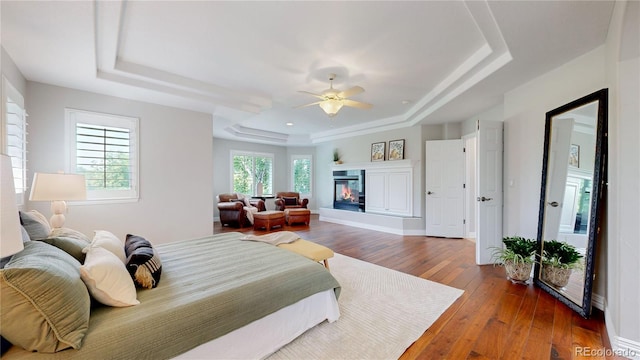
x=276 y=238
x=210 y=287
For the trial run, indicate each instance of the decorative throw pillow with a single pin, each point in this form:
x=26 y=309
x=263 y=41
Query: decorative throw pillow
x=69 y=233
x=290 y=201
x=143 y=262
x=71 y=246
x=107 y=278
x=36 y=224
x=45 y=305
x=108 y=241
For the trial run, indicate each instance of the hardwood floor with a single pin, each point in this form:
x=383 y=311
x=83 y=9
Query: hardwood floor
x=493 y=319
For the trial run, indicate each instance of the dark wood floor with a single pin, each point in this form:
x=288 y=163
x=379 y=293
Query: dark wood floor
x=493 y=319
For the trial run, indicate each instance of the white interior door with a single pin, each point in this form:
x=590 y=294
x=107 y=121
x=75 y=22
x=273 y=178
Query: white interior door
x=489 y=189
x=557 y=169
x=470 y=205
x=444 y=180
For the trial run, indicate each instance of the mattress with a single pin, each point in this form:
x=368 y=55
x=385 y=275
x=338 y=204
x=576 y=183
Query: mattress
x=209 y=288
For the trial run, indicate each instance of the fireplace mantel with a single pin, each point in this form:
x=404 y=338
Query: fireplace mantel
x=389 y=164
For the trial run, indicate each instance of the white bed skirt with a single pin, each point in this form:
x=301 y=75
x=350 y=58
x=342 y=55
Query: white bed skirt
x=265 y=336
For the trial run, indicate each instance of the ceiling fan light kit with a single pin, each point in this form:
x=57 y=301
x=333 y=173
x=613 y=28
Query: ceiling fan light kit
x=333 y=100
x=331 y=107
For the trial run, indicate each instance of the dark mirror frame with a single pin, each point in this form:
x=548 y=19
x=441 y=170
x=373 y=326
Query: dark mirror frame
x=597 y=201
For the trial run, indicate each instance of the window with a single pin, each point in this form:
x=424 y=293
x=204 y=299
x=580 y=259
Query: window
x=104 y=149
x=15 y=137
x=301 y=174
x=250 y=170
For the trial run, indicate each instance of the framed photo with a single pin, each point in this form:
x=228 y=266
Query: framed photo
x=396 y=150
x=377 y=151
x=574 y=155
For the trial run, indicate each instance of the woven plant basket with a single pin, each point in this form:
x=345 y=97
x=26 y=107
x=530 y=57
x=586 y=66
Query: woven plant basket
x=519 y=272
x=556 y=276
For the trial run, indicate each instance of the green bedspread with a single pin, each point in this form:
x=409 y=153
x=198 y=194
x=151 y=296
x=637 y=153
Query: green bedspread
x=208 y=288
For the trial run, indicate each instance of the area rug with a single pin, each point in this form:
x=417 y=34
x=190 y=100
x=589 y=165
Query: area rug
x=382 y=312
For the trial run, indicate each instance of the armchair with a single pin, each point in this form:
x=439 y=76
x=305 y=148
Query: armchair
x=288 y=200
x=232 y=209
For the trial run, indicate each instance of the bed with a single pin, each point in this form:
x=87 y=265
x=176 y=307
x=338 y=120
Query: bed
x=219 y=297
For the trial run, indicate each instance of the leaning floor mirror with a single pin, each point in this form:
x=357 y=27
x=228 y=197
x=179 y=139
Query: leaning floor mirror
x=571 y=199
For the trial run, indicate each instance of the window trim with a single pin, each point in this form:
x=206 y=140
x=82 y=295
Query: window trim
x=111 y=120
x=292 y=177
x=254 y=154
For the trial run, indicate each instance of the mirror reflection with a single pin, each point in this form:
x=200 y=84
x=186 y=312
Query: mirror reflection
x=566 y=233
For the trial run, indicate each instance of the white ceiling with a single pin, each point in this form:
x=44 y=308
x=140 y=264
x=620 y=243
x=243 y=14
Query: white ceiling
x=420 y=62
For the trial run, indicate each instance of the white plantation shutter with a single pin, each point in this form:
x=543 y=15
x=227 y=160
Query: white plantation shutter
x=103 y=148
x=15 y=139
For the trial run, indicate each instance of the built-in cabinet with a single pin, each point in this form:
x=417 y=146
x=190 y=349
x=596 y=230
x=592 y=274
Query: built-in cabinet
x=389 y=191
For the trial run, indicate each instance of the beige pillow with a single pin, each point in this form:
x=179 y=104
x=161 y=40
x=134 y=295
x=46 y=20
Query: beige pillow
x=108 y=241
x=107 y=278
x=45 y=305
x=69 y=233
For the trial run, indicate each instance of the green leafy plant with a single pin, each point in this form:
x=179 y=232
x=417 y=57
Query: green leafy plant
x=561 y=255
x=516 y=250
x=517 y=257
x=336 y=155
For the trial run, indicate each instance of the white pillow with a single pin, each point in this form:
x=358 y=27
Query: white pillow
x=107 y=278
x=107 y=240
x=247 y=202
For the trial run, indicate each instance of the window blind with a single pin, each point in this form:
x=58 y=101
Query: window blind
x=103 y=155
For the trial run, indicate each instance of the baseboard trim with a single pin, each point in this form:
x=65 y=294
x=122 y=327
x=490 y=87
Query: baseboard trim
x=597 y=301
x=621 y=346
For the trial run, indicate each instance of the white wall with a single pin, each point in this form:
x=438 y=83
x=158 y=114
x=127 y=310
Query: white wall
x=176 y=167
x=12 y=73
x=357 y=149
x=618 y=69
x=525 y=108
x=622 y=312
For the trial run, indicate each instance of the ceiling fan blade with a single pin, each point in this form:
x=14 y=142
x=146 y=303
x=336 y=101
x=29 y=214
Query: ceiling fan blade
x=312 y=94
x=301 y=106
x=356 y=104
x=350 y=92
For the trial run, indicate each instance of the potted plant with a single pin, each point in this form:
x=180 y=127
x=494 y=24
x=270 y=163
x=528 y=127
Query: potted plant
x=517 y=257
x=336 y=157
x=558 y=261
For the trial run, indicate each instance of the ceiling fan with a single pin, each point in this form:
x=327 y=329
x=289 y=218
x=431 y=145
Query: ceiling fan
x=332 y=99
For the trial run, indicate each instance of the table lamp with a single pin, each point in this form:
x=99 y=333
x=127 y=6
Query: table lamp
x=10 y=232
x=57 y=188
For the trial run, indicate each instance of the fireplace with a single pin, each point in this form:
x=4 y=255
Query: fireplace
x=348 y=193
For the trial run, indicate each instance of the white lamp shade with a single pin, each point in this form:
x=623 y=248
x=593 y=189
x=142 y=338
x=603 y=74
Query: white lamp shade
x=51 y=187
x=10 y=232
x=331 y=106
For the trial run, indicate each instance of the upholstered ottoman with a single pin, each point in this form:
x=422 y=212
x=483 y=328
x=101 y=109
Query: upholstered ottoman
x=268 y=219
x=309 y=250
x=297 y=216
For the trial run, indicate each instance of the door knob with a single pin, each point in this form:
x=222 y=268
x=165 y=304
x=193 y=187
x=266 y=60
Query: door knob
x=554 y=204
x=429 y=192
x=484 y=199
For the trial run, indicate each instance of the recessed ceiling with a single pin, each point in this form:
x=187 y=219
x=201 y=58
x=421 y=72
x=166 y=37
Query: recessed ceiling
x=244 y=62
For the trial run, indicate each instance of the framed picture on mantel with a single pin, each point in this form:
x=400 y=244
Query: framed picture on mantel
x=396 y=150
x=377 y=151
